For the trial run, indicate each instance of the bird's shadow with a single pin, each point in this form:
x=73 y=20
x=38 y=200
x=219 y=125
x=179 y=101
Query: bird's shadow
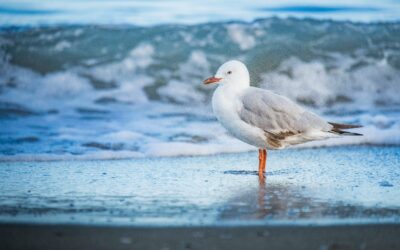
x=276 y=172
x=241 y=172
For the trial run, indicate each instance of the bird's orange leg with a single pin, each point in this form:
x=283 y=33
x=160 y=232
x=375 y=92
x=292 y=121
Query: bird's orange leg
x=262 y=161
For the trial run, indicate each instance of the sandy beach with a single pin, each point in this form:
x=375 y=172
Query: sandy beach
x=379 y=236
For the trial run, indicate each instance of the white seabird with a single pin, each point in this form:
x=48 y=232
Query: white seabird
x=262 y=118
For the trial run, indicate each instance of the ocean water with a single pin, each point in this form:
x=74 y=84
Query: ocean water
x=154 y=12
x=90 y=81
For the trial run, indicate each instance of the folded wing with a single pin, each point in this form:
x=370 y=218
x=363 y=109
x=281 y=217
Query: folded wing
x=277 y=115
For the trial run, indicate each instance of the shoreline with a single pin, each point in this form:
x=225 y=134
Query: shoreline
x=86 y=158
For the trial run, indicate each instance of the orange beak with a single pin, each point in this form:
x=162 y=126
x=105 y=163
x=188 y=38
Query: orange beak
x=212 y=80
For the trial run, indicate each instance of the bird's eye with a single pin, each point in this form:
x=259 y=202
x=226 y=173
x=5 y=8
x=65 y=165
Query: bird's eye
x=229 y=72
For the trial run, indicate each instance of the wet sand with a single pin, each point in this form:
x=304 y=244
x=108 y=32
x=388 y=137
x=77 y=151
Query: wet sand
x=55 y=237
x=324 y=198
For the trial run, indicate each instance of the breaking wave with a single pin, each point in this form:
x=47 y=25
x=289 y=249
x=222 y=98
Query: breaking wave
x=124 y=91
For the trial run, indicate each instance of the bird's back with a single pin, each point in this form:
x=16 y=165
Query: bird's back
x=283 y=121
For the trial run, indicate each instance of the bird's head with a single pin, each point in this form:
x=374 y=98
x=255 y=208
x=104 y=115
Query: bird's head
x=232 y=73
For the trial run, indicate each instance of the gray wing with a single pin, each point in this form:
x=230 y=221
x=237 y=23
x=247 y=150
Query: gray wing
x=277 y=115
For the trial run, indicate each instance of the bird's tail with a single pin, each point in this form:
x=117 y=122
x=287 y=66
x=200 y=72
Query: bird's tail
x=338 y=128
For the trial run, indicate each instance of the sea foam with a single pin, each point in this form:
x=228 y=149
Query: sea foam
x=82 y=92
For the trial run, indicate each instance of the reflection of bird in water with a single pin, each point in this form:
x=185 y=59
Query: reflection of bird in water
x=262 y=118
x=271 y=200
x=282 y=201
x=279 y=201
x=262 y=191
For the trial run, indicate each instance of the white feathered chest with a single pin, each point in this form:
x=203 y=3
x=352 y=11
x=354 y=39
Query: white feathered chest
x=226 y=106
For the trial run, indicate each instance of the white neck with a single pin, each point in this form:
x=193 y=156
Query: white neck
x=233 y=88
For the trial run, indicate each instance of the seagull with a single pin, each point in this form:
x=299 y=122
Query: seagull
x=262 y=118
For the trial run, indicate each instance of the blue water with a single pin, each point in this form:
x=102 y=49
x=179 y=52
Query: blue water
x=339 y=185
x=50 y=12
x=100 y=79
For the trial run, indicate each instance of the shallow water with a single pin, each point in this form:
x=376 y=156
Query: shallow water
x=307 y=186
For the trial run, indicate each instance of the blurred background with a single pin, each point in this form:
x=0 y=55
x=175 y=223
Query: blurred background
x=113 y=79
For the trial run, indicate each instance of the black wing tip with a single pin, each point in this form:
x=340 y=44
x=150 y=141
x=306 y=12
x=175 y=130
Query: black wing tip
x=343 y=126
x=338 y=129
x=350 y=133
x=341 y=132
